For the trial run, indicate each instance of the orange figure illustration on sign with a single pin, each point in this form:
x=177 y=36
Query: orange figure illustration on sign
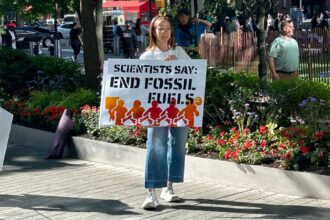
x=135 y=113
x=188 y=113
x=170 y=114
x=110 y=104
x=119 y=112
x=152 y=114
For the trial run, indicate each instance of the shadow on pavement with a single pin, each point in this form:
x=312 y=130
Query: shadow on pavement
x=65 y=204
x=23 y=159
x=266 y=210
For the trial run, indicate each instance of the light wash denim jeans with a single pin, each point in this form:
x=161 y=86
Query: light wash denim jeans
x=165 y=156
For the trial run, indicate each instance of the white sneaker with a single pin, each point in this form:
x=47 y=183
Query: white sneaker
x=169 y=195
x=151 y=201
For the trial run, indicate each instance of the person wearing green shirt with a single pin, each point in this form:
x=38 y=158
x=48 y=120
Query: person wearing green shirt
x=283 y=57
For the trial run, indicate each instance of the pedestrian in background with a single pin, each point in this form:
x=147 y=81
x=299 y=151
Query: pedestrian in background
x=165 y=156
x=129 y=42
x=283 y=57
x=189 y=30
x=75 y=40
x=11 y=37
x=140 y=35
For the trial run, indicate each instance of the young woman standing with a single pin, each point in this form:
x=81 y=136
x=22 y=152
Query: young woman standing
x=165 y=156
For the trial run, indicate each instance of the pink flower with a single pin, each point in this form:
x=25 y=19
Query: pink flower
x=246 y=131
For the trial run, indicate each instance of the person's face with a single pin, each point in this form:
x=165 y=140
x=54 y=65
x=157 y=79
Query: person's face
x=183 y=19
x=162 y=31
x=289 y=29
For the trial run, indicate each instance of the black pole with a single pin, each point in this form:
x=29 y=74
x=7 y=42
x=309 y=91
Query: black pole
x=55 y=20
x=150 y=12
x=196 y=28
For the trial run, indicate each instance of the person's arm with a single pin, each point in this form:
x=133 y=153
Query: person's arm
x=206 y=23
x=81 y=42
x=272 y=69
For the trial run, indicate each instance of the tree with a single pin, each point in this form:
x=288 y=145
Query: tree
x=30 y=10
x=92 y=35
x=259 y=9
x=90 y=14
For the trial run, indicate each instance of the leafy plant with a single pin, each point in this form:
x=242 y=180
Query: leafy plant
x=79 y=98
x=42 y=100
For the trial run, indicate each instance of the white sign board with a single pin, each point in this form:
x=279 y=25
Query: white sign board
x=6 y=119
x=153 y=93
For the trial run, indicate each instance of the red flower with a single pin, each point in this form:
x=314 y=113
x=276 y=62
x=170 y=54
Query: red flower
x=263 y=143
x=301 y=142
x=234 y=130
x=209 y=137
x=227 y=154
x=222 y=133
x=137 y=133
x=221 y=142
x=196 y=129
x=304 y=149
x=263 y=130
x=288 y=155
x=318 y=136
x=246 y=131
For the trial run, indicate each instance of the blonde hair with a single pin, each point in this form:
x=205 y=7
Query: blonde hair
x=152 y=37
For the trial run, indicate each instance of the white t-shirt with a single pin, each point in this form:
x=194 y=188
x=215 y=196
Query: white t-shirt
x=157 y=54
x=13 y=44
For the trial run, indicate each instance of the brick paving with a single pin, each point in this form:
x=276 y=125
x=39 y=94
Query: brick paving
x=33 y=188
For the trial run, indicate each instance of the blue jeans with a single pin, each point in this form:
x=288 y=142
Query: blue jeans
x=165 y=156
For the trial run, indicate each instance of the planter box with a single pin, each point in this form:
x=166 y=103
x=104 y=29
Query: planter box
x=217 y=171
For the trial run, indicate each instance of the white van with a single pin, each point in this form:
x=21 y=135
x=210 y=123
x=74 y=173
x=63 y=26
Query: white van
x=70 y=18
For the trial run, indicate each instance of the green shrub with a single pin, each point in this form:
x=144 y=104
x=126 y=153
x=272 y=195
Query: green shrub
x=58 y=73
x=14 y=65
x=20 y=73
x=42 y=100
x=80 y=98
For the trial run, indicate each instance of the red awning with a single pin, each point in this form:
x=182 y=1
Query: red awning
x=123 y=4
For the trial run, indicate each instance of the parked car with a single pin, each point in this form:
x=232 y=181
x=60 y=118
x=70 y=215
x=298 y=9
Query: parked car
x=34 y=34
x=64 y=31
x=70 y=19
x=305 y=25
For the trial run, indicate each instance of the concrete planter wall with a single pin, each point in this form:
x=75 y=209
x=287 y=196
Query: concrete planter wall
x=241 y=175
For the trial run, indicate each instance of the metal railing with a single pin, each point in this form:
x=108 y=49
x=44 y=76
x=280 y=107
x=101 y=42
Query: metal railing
x=239 y=50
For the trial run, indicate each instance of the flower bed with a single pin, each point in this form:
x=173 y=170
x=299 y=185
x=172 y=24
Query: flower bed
x=280 y=124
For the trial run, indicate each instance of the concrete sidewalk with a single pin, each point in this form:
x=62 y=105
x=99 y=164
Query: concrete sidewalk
x=33 y=188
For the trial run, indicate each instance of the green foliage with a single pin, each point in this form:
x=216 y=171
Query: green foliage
x=289 y=93
x=14 y=72
x=223 y=87
x=59 y=74
x=89 y=119
x=42 y=100
x=20 y=73
x=79 y=98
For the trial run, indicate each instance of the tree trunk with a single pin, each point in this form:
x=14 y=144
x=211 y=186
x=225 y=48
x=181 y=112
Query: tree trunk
x=92 y=54
x=262 y=68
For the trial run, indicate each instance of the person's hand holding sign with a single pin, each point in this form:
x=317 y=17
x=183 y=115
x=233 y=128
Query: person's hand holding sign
x=170 y=57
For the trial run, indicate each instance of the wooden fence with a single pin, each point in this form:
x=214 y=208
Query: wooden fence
x=239 y=50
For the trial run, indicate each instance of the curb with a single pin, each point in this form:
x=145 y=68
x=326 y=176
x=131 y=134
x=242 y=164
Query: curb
x=206 y=170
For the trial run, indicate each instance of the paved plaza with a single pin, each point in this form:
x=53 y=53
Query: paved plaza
x=34 y=188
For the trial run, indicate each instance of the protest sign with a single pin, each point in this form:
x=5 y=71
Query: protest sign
x=6 y=119
x=153 y=93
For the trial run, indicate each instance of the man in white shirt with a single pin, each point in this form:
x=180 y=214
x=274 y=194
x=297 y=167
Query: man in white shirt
x=11 y=37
